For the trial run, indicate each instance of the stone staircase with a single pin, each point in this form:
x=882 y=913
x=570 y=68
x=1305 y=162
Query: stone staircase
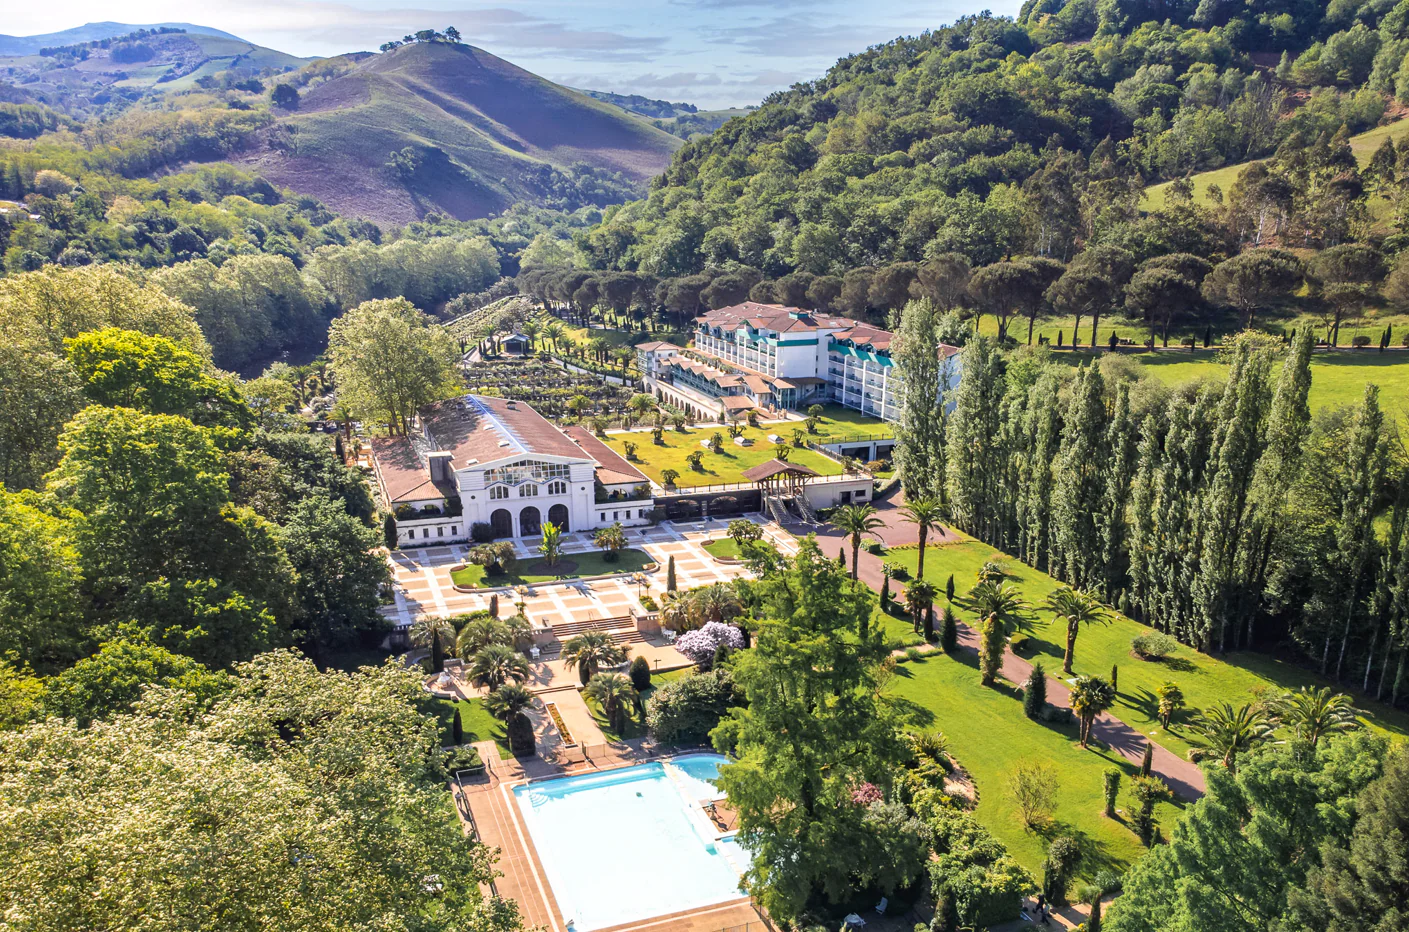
x=777 y=510
x=622 y=630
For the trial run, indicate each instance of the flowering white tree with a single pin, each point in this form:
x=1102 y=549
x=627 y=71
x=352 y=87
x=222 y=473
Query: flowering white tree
x=700 y=645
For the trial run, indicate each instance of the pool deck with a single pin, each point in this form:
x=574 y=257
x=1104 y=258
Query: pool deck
x=496 y=817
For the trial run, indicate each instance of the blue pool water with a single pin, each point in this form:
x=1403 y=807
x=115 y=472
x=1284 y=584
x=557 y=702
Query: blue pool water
x=626 y=845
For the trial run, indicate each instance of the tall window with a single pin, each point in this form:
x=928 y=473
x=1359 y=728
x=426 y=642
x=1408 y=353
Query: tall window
x=498 y=491
x=528 y=491
x=557 y=488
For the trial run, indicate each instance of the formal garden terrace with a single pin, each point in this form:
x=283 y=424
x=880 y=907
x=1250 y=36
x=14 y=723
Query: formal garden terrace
x=683 y=457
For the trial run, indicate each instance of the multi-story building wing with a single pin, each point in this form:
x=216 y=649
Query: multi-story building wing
x=768 y=357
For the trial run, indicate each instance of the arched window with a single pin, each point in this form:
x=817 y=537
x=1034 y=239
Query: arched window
x=557 y=488
x=528 y=491
x=498 y=492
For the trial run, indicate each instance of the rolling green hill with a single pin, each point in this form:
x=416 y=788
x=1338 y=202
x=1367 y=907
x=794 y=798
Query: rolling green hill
x=1363 y=145
x=474 y=134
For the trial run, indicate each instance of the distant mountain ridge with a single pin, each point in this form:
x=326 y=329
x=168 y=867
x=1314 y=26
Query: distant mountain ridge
x=92 y=32
x=451 y=128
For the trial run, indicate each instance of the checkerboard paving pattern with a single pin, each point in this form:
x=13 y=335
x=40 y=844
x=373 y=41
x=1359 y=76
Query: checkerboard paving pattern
x=423 y=586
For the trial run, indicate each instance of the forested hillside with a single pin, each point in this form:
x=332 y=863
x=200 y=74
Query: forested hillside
x=993 y=139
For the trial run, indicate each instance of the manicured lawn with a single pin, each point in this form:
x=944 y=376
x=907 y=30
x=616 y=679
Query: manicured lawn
x=989 y=736
x=727 y=549
x=837 y=424
x=569 y=566
x=475 y=723
x=727 y=465
x=1205 y=680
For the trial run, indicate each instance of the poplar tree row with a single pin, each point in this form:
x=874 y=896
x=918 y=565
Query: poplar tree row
x=1225 y=515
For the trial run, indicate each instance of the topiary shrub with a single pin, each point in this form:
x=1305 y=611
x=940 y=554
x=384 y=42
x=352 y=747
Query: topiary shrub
x=895 y=570
x=389 y=532
x=1110 y=781
x=640 y=674
x=520 y=732
x=949 y=630
x=481 y=532
x=1153 y=646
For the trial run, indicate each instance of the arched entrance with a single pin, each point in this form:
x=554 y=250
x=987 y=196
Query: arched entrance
x=530 y=522
x=558 y=517
x=502 y=522
x=682 y=508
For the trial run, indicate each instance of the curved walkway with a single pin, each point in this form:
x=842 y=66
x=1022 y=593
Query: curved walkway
x=1183 y=777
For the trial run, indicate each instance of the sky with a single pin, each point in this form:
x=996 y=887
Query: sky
x=712 y=53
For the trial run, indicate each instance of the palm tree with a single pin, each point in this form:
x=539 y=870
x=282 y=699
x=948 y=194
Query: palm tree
x=479 y=634
x=717 y=602
x=1076 y=608
x=425 y=629
x=497 y=664
x=1002 y=599
x=642 y=404
x=919 y=596
x=1090 y=696
x=1171 y=700
x=614 y=693
x=578 y=404
x=678 y=612
x=552 y=546
x=925 y=513
x=519 y=629
x=610 y=540
x=530 y=329
x=856 y=520
x=1313 y=712
x=1228 y=732
x=507 y=700
x=624 y=356
x=553 y=332
x=589 y=651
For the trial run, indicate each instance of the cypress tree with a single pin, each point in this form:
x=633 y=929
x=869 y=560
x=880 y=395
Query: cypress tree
x=949 y=588
x=457 y=730
x=919 y=430
x=1144 y=497
x=389 y=532
x=1115 y=678
x=929 y=625
x=1148 y=760
x=885 y=594
x=949 y=630
x=1042 y=435
x=1110 y=785
x=971 y=437
x=1121 y=452
x=990 y=654
x=1035 y=692
x=1355 y=539
x=494 y=605
x=1221 y=514
x=437 y=653
x=670 y=574
x=1078 y=487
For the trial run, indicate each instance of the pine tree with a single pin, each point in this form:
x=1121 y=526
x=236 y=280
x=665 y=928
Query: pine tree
x=919 y=430
x=1079 y=486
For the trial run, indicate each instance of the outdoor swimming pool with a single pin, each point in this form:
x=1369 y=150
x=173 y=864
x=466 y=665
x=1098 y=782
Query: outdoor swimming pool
x=628 y=844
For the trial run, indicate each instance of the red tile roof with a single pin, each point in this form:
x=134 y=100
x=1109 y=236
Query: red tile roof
x=479 y=429
x=612 y=467
x=400 y=473
x=659 y=345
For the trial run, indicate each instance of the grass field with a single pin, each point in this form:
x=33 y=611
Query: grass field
x=1363 y=145
x=728 y=465
x=989 y=735
x=594 y=563
x=1336 y=378
x=1205 y=680
x=475 y=723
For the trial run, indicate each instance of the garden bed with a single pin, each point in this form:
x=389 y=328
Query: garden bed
x=468 y=577
x=727 y=465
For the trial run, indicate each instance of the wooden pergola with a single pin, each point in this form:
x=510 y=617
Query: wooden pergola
x=777 y=477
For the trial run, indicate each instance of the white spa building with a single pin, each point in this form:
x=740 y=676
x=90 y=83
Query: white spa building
x=476 y=459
